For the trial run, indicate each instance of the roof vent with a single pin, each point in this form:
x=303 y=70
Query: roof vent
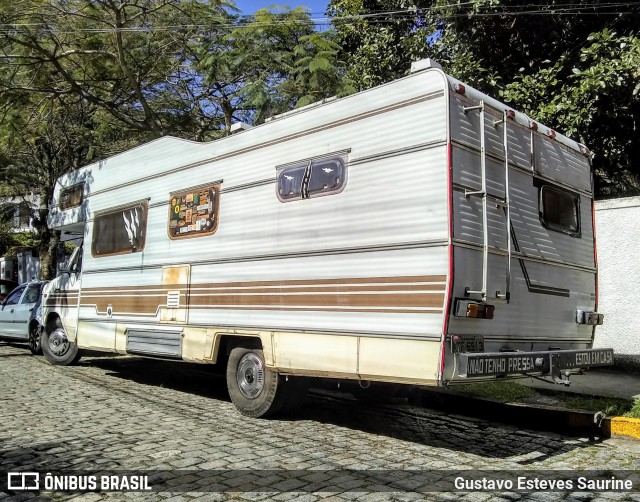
x=239 y=127
x=424 y=64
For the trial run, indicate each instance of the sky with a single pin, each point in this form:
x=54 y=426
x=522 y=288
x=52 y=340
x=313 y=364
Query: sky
x=316 y=7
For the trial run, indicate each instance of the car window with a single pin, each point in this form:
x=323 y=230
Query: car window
x=14 y=297
x=32 y=294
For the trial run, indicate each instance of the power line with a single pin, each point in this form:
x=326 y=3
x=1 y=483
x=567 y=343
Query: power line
x=566 y=9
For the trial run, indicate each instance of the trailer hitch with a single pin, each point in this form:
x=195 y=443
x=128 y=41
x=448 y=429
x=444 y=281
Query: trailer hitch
x=559 y=376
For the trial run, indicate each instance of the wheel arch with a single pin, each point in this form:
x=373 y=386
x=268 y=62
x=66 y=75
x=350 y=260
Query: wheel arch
x=51 y=322
x=226 y=342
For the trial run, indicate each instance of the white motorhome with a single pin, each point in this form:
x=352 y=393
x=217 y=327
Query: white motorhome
x=418 y=232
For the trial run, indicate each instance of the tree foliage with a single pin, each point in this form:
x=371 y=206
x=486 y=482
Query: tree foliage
x=380 y=38
x=596 y=100
x=83 y=80
x=269 y=64
x=571 y=64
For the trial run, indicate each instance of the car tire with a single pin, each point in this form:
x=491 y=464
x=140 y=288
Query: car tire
x=57 y=347
x=35 y=345
x=254 y=389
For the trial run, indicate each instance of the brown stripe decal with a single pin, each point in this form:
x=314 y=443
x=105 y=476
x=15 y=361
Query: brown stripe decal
x=296 y=282
x=405 y=294
x=328 y=300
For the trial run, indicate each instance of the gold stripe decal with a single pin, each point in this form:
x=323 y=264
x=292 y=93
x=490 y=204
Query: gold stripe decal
x=405 y=294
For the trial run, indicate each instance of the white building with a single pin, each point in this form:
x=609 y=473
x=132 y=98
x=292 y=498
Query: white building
x=618 y=236
x=19 y=212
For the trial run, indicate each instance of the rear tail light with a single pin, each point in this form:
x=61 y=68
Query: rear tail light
x=474 y=310
x=459 y=88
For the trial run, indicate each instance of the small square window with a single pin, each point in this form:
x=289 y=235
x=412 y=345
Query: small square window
x=290 y=181
x=312 y=178
x=559 y=210
x=327 y=176
x=71 y=197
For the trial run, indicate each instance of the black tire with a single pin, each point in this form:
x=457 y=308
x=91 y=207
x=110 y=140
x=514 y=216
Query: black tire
x=35 y=346
x=57 y=348
x=254 y=389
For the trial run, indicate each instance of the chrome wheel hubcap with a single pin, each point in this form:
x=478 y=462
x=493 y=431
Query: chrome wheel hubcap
x=58 y=342
x=250 y=375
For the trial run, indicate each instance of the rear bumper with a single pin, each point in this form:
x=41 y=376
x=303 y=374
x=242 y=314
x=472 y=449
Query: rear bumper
x=551 y=362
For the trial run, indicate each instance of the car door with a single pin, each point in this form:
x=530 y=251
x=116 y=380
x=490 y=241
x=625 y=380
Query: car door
x=7 y=312
x=24 y=308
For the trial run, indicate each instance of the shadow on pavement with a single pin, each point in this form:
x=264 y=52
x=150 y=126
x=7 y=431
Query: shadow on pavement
x=407 y=423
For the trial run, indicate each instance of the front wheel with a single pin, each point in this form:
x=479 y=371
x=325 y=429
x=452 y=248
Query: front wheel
x=57 y=348
x=253 y=388
x=34 y=339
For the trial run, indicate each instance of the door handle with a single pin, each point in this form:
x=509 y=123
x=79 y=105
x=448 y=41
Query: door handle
x=12 y=311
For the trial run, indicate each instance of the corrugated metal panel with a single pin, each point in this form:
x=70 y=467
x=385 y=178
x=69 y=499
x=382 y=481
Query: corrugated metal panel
x=374 y=119
x=379 y=207
x=417 y=262
x=536 y=240
x=465 y=126
x=466 y=171
x=467 y=212
x=519 y=145
x=390 y=221
x=558 y=162
x=528 y=316
x=155 y=343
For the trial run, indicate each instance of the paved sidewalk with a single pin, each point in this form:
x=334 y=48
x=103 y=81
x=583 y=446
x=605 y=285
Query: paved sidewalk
x=596 y=382
x=110 y=415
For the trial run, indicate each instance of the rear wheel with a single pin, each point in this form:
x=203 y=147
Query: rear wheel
x=254 y=389
x=34 y=339
x=57 y=347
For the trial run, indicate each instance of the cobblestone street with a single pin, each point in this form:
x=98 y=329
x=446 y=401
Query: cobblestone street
x=130 y=414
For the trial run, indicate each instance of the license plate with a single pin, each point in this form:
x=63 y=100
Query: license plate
x=471 y=343
x=533 y=362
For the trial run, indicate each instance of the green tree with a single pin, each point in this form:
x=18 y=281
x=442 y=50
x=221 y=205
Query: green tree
x=596 y=100
x=83 y=80
x=380 y=38
x=572 y=64
x=43 y=140
x=270 y=63
x=125 y=58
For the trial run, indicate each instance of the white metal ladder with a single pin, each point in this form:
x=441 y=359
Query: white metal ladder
x=500 y=297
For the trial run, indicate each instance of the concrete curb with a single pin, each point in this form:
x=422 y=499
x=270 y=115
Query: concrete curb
x=575 y=423
x=621 y=426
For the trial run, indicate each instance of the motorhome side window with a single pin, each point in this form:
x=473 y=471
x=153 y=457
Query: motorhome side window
x=71 y=197
x=311 y=178
x=194 y=212
x=120 y=231
x=560 y=210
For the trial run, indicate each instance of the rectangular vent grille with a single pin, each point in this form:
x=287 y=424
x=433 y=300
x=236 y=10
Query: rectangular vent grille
x=173 y=299
x=148 y=342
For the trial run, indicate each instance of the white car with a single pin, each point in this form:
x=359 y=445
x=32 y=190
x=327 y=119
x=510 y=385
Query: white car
x=19 y=315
